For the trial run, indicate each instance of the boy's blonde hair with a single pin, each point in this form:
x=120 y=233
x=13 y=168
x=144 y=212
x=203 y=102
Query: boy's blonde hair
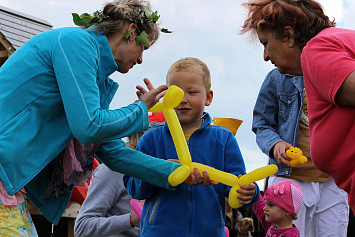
x=194 y=65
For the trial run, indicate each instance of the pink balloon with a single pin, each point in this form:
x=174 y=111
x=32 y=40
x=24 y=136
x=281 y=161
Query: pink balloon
x=136 y=207
x=226 y=232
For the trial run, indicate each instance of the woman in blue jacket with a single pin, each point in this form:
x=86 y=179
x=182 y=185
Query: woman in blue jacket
x=54 y=98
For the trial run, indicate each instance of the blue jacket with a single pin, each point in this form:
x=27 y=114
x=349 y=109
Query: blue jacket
x=189 y=210
x=56 y=87
x=276 y=115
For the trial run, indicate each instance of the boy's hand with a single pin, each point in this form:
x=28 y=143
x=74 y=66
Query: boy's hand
x=195 y=177
x=247 y=191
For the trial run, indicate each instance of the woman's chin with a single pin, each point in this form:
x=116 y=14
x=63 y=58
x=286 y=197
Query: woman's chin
x=123 y=70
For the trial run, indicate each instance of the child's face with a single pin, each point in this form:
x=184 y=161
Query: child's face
x=274 y=213
x=195 y=98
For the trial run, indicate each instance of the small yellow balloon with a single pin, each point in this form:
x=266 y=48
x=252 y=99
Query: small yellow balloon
x=296 y=156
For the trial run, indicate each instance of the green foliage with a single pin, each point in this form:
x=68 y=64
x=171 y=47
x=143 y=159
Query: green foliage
x=85 y=19
x=165 y=30
x=143 y=39
x=128 y=33
x=151 y=16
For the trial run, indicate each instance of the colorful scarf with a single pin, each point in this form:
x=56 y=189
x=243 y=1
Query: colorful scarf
x=73 y=168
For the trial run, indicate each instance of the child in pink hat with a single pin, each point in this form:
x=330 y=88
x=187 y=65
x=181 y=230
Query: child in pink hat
x=283 y=201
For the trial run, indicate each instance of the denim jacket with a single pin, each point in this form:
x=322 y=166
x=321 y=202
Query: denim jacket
x=277 y=112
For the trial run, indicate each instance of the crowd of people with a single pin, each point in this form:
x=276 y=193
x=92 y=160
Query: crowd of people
x=56 y=119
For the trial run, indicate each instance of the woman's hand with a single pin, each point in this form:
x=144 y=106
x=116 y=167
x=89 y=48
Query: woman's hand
x=153 y=95
x=279 y=152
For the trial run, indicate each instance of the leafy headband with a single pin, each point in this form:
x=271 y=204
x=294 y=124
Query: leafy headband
x=139 y=19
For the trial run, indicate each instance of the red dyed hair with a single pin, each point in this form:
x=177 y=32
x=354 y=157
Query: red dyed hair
x=306 y=17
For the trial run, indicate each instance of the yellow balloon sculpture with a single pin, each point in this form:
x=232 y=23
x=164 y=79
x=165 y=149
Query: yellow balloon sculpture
x=296 y=156
x=172 y=99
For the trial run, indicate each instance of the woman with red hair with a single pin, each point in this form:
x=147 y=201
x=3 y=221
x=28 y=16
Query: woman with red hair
x=299 y=39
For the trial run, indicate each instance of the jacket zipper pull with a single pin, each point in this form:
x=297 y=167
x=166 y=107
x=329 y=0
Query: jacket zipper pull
x=52 y=234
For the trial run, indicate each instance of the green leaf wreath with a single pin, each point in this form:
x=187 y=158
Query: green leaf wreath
x=86 y=20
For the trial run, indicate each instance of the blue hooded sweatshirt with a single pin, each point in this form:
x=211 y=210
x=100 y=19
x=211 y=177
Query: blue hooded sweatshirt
x=189 y=211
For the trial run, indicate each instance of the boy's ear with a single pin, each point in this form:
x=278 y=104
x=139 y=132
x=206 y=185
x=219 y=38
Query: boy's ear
x=209 y=98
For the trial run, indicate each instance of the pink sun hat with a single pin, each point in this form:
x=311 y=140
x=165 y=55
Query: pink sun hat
x=287 y=195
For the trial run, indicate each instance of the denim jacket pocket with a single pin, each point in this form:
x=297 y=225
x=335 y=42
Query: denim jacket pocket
x=287 y=105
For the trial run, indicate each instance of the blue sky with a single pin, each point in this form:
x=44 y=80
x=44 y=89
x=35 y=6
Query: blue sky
x=206 y=29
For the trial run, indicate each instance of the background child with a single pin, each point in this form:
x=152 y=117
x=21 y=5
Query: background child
x=283 y=201
x=106 y=210
x=190 y=210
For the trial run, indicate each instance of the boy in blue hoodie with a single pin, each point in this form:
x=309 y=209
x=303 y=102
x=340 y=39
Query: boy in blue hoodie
x=190 y=210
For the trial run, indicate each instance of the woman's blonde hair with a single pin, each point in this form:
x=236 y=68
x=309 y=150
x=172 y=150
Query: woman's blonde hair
x=120 y=12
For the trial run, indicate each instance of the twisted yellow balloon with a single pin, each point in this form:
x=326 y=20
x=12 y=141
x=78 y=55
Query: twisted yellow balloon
x=296 y=156
x=172 y=99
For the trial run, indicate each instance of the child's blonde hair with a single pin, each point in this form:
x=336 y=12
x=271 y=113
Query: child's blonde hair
x=190 y=64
